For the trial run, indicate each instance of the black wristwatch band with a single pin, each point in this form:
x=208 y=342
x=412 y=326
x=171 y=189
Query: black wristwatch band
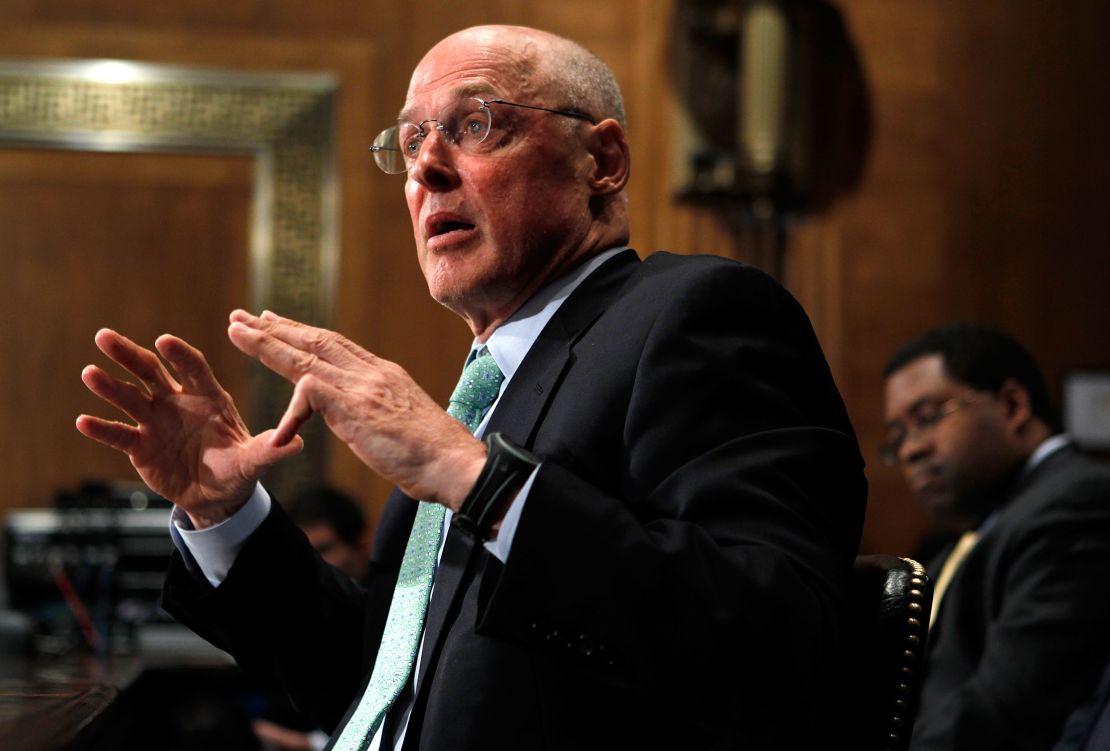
x=506 y=470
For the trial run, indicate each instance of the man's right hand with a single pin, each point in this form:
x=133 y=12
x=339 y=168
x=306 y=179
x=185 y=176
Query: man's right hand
x=189 y=443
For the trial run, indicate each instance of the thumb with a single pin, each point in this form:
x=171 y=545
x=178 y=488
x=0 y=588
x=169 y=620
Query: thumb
x=264 y=452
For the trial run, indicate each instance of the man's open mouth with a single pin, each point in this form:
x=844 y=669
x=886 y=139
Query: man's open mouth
x=449 y=225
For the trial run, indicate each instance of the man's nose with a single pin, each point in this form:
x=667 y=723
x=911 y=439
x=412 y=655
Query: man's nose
x=915 y=447
x=434 y=167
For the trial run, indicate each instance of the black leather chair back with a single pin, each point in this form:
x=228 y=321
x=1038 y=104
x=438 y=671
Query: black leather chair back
x=892 y=601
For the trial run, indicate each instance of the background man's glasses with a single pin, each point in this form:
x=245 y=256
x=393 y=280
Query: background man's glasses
x=920 y=423
x=466 y=126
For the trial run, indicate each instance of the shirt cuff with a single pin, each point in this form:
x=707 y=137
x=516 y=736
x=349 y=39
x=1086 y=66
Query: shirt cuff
x=213 y=550
x=318 y=739
x=500 y=547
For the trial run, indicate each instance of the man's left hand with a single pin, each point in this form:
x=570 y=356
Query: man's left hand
x=370 y=404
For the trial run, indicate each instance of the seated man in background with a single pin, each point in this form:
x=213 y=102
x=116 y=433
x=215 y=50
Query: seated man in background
x=335 y=526
x=651 y=549
x=1021 y=606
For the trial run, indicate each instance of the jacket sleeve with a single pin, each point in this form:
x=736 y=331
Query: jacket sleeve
x=290 y=619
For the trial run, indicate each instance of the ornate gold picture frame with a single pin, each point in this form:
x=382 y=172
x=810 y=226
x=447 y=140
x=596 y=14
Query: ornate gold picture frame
x=283 y=121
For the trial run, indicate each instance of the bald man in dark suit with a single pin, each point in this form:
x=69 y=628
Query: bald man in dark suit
x=663 y=557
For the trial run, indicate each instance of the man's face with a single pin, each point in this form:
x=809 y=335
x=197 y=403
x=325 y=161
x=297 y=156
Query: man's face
x=352 y=560
x=958 y=447
x=492 y=227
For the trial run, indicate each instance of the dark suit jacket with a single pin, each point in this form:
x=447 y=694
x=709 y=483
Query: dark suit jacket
x=1088 y=727
x=1021 y=635
x=679 y=576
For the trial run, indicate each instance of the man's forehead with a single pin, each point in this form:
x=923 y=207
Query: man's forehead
x=920 y=379
x=483 y=64
x=432 y=102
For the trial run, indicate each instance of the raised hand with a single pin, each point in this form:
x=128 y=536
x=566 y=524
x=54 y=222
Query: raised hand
x=188 y=442
x=371 y=404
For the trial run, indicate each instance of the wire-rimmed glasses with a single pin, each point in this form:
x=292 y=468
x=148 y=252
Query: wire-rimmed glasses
x=466 y=125
x=921 y=421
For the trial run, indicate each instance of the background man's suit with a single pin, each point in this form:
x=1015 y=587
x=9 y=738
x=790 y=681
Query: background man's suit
x=679 y=576
x=1021 y=636
x=1088 y=727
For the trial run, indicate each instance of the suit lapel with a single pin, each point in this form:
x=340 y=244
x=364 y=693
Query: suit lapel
x=519 y=410
x=517 y=416
x=458 y=551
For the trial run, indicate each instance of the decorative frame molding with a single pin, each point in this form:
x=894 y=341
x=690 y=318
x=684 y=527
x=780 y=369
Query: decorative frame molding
x=285 y=121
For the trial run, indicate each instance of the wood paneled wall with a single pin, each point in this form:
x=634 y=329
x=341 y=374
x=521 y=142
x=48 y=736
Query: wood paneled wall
x=94 y=240
x=983 y=200
x=982 y=197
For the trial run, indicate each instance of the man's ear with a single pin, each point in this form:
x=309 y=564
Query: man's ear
x=1015 y=401
x=610 y=158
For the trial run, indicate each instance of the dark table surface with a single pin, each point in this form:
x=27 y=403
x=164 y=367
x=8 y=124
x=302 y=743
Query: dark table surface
x=50 y=703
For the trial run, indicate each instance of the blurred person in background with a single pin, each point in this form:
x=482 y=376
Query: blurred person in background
x=1021 y=604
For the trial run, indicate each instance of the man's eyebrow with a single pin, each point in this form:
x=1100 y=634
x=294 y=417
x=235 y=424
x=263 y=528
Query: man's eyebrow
x=917 y=405
x=924 y=401
x=482 y=90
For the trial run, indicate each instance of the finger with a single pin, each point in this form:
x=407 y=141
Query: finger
x=128 y=397
x=269 y=453
x=296 y=414
x=281 y=737
x=192 y=367
x=113 y=434
x=309 y=395
x=279 y=356
x=326 y=344
x=139 y=361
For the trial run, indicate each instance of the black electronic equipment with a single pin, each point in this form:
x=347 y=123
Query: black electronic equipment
x=89 y=570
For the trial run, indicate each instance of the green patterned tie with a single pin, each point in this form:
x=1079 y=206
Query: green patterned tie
x=477 y=389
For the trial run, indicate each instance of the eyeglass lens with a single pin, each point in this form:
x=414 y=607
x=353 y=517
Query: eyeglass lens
x=920 y=423
x=465 y=125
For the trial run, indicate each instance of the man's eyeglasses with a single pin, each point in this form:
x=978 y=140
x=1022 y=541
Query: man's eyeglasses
x=921 y=422
x=467 y=126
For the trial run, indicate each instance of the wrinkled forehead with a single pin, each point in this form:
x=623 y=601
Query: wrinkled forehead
x=484 y=65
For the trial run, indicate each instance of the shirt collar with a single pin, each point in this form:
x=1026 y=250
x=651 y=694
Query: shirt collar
x=510 y=342
x=1047 y=447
